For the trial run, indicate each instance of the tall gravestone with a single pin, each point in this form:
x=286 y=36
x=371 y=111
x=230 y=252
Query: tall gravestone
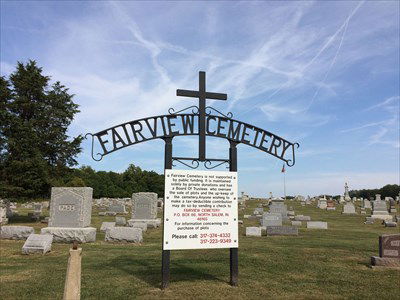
x=3 y=213
x=144 y=209
x=70 y=215
x=278 y=206
x=322 y=203
x=367 y=204
x=348 y=207
x=346 y=193
x=380 y=210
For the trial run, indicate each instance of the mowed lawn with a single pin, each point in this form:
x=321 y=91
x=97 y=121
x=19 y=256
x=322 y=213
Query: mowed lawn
x=317 y=264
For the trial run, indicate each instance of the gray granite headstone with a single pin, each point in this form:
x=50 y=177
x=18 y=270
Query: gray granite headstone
x=271 y=219
x=367 y=204
x=278 y=207
x=124 y=234
x=16 y=232
x=70 y=207
x=3 y=213
x=380 y=210
x=296 y=223
x=106 y=225
x=302 y=218
x=144 y=206
x=118 y=208
x=349 y=208
x=37 y=243
x=120 y=221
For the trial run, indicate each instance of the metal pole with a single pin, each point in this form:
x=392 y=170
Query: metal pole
x=166 y=253
x=234 y=255
x=202 y=116
x=284 y=184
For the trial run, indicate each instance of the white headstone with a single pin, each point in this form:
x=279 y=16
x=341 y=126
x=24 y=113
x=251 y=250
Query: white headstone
x=317 y=225
x=37 y=243
x=253 y=231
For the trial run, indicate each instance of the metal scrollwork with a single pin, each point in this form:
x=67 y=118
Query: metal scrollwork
x=98 y=154
x=229 y=115
x=208 y=164
x=195 y=110
x=289 y=162
x=195 y=163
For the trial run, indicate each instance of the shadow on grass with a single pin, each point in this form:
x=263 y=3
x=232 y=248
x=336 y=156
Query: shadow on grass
x=150 y=270
x=22 y=219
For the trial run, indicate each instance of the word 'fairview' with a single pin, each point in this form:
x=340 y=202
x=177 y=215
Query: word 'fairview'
x=142 y=130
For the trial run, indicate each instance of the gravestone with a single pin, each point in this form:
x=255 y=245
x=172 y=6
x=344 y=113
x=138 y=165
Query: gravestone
x=141 y=225
x=389 y=251
x=106 y=225
x=124 y=234
x=37 y=243
x=330 y=205
x=367 y=204
x=118 y=208
x=346 y=193
x=282 y=230
x=392 y=205
x=38 y=208
x=120 y=221
x=3 y=213
x=322 y=203
x=144 y=209
x=278 y=206
x=37 y=212
x=70 y=207
x=16 y=232
x=380 y=210
x=341 y=199
x=349 y=208
x=70 y=215
x=317 y=225
x=271 y=219
x=302 y=218
x=253 y=231
x=369 y=221
x=390 y=224
x=296 y=223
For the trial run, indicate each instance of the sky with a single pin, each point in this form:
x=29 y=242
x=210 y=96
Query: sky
x=323 y=74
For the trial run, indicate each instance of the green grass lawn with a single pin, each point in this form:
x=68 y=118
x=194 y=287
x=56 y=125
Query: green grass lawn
x=317 y=264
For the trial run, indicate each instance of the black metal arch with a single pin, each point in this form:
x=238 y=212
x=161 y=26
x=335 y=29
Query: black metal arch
x=131 y=133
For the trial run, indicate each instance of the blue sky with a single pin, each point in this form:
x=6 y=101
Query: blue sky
x=324 y=74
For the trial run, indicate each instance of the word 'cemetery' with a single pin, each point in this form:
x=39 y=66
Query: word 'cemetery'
x=142 y=130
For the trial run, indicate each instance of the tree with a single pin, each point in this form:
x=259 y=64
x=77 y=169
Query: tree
x=35 y=150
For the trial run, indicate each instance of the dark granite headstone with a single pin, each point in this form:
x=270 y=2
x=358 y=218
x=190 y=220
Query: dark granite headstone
x=389 y=245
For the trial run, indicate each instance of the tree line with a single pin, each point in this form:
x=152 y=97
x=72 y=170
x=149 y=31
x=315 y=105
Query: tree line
x=389 y=190
x=116 y=185
x=36 y=152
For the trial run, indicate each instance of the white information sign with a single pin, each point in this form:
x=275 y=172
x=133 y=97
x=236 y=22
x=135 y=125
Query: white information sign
x=201 y=210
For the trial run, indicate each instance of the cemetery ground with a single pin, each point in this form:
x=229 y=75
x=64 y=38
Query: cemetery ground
x=317 y=264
